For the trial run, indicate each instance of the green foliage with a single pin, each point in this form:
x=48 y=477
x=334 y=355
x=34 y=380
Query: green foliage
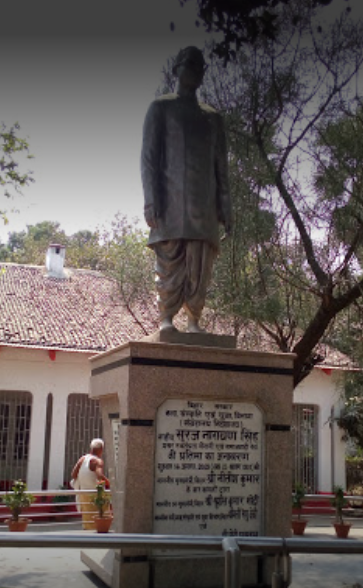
x=245 y=21
x=346 y=333
x=298 y=497
x=11 y=147
x=130 y=262
x=339 y=502
x=83 y=249
x=18 y=499
x=101 y=500
x=293 y=262
x=339 y=176
x=351 y=416
x=30 y=246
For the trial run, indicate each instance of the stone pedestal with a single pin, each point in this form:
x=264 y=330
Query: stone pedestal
x=203 y=445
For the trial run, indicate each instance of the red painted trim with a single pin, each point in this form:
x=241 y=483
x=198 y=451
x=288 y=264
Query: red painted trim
x=52 y=354
x=327 y=371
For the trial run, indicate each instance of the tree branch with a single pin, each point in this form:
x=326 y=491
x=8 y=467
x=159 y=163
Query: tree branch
x=321 y=276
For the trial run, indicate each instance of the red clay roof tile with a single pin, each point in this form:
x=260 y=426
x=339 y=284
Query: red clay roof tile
x=84 y=312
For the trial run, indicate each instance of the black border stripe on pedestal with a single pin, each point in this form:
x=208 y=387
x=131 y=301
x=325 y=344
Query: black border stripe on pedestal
x=134 y=558
x=282 y=428
x=137 y=422
x=202 y=365
x=110 y=366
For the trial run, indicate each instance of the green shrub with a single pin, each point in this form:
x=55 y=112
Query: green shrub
x=18 y=499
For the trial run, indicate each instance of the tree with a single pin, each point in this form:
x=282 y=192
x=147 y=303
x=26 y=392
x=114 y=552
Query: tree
x=84 y=250
x=281 y=99
x=242 y=268
x=347 y=337
x=351 y=416
x=339 y=179
x=30 y=246
x=128 y=261
x=11 y=145
x=245 y=21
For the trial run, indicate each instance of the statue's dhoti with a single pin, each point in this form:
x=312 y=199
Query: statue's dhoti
x=183 y=270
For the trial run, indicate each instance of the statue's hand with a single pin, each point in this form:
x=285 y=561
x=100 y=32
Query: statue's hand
x=151 y=216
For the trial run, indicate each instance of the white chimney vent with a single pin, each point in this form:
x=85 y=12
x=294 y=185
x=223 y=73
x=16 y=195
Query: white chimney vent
x=54 y=260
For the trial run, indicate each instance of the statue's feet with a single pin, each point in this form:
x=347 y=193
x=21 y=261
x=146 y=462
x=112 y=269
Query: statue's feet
x=193 y=327
x=167 y=325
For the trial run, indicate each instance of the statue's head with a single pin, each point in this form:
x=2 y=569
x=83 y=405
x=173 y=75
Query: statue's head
x=189 y=66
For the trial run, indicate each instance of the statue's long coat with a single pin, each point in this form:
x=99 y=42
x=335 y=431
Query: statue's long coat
x=184 y=169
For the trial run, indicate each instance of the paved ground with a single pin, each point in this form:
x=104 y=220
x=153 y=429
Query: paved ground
x=44 y=568
x=328 y=571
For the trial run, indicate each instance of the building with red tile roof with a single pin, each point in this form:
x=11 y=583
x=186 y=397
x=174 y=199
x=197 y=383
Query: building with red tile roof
x=54 y=318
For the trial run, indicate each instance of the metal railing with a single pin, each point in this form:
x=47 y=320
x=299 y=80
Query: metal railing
x=49 y=508
x=353 y=507
x=230 y=547
x=328 y=497
x=60 y=510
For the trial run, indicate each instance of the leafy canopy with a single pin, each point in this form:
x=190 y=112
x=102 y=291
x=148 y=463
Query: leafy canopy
x=11 y=147
x=241 y=22
x=292 y=264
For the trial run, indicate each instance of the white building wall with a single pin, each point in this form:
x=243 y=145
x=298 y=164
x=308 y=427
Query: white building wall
x=37 y=435
x=33 y=371
x=323 y=390
x=57 y=441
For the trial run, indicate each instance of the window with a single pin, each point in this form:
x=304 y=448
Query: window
x=4 y=429
x=22 y=431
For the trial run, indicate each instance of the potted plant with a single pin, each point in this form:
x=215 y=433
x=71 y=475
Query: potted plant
x=16 y=501
x=298 y=525
x=102 y=500
x=339 y=502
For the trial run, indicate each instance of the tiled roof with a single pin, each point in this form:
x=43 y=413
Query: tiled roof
x=84 y=312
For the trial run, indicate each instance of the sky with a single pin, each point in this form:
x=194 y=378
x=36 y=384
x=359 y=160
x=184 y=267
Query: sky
x=78 y=76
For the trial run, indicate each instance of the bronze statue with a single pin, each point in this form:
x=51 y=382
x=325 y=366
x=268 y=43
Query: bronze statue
x=185 y=179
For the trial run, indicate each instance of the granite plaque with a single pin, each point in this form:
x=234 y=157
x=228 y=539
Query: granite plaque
x=208 y=468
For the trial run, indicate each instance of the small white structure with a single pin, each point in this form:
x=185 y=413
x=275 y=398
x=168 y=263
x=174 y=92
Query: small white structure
x=54 y=261
x=52 y=321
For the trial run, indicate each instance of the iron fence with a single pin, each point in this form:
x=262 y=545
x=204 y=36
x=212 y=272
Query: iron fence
x=62 y=503
x=229 y=547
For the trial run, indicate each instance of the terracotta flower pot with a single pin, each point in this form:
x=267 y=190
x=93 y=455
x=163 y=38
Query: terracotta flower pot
x=342 y=530
x=17 y=526
x=103 y=524
x=298 y=526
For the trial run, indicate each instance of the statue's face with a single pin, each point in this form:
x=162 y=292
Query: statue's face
x=191 y=71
